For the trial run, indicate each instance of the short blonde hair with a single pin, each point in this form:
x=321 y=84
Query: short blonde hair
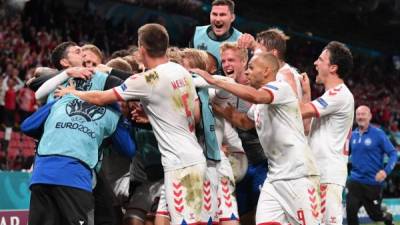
x=95 y=50
x=242 y=52
x=196 y=58
x=174 y=54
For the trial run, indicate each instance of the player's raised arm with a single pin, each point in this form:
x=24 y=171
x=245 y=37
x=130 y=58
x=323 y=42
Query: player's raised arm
x=242 y=91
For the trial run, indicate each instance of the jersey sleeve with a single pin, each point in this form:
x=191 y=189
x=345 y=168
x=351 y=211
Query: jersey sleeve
x=327 y=103
x=135 y=87
x=281 y=92
x=250 y=113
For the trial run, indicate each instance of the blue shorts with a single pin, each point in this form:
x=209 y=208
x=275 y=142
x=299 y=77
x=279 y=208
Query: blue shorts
x=248 y=189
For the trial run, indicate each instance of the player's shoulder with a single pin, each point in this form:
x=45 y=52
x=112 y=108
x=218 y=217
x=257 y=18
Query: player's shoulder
x=339 y=93
x=169 y=66
x=277 y=85
x=201 y=28
x=99 y=74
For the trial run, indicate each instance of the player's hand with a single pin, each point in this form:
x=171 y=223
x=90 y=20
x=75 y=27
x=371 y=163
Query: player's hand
x=305 y=83
x=225 y=150
x=246 y=41
x=222 y=111
x=29 y=82
x=80 y=72
x=61 y=90
x=203 y=74
x=137 y=114
x=103 y=68
x=380 y=176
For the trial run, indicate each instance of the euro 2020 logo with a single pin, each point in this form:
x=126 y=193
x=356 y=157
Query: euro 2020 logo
x=83 y=111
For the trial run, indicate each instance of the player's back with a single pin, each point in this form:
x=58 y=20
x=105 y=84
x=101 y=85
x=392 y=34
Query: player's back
x=331 y=131
x=171 y=107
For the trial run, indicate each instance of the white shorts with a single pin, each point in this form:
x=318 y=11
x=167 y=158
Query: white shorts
x=331 y=203
x=162 y=208
x=210 y=188
x=184 y=194
x=144 y=200
x=227 y=204
x=289 y=202
x=219 y=202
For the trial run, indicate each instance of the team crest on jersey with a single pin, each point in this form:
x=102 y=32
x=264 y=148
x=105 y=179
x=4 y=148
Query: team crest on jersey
x=368 y=141
x=322 y=102
x=203 y=46
x=82 y=85
x=151 y=77
x=83 y=111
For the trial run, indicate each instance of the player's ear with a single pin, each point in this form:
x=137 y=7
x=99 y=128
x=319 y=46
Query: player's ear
x=233 y=17
x=142 y=50
x=267 y=71
x=333 y=68
x=275 y=53
x=64 y=62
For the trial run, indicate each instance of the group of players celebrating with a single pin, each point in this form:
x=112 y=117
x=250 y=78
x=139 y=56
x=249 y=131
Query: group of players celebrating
x=178 y=111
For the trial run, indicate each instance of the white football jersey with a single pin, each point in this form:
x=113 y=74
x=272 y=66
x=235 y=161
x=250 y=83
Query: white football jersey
x=330 y=133
x=168 y=97
x=280 y=129
x=297 y=78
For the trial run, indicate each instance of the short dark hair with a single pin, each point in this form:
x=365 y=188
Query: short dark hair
x=120 y=53
x=271 y=60
x=120 y=64
x=59 y=53
x=229 y=3
x=341 y=56
x=154 y=38
x=273 y=39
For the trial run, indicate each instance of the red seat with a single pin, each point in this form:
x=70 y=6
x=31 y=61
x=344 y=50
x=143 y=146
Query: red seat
x=28 y=151
x=14 y=143
x=15 y=135
x=12 y=152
